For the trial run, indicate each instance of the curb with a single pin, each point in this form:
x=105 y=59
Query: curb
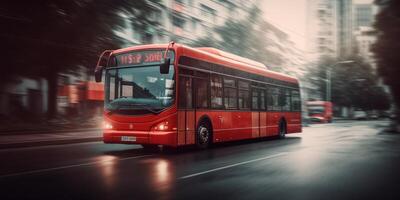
x=28 y=132
x=49 y=142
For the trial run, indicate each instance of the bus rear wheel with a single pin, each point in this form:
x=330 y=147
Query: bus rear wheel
x=203 y=135
x=282 y=130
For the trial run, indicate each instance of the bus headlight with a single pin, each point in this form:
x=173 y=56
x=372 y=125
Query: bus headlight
x=163 y=126
x=108 y=125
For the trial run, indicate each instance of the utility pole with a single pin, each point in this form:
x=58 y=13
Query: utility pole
x=328 y=85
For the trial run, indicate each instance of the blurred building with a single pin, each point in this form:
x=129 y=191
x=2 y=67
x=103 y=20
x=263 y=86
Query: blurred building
x=289 y=58
x=24 y=97
x=364 y=15
x=365 y=37
x=364 y=32
x=183 y=20
x=329 y=28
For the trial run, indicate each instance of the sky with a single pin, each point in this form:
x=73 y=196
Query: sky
x=290 y=17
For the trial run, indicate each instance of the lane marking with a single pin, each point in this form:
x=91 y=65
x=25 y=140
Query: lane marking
x=233 y=165
x=70 y=166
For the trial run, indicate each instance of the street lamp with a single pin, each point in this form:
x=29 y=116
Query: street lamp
x=328 y=77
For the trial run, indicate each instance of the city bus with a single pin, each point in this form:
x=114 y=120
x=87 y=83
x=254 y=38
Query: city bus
x=320 y=111
x=175 y=95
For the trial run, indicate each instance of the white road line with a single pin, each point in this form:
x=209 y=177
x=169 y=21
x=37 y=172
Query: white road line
x=232 y=165
x=69 y=166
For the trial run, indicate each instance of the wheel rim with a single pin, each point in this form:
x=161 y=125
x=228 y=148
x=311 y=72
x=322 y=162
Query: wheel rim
x=203 y=135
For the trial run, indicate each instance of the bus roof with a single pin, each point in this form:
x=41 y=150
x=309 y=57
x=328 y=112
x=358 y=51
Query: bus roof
x=219 y=57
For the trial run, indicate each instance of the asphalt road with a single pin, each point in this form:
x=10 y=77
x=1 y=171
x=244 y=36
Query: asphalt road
x=348 y=160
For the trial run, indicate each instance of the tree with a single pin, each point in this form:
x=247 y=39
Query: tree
x=352 y=84
x=245 y=38
x=206 y=42
x=46 y=37
x=387 y=46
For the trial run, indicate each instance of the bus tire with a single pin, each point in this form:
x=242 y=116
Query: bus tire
x=282 y=129
x=203 y=135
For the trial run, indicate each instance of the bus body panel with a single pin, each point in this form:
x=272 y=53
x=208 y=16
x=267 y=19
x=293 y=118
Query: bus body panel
x=228 y=125
x=293 y=120
x=263 y=124
x=273 y=118
x=142 y=128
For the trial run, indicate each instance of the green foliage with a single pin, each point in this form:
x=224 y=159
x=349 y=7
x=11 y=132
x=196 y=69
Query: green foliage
x=387 y=47
x=352 y=84
x=246 y=38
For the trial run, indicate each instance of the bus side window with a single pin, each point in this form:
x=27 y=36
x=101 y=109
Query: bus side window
x=230 y=93
x=185 y=92
x=273 y=99
x=284 y=99
x=201 y=93
x=296 y=102
x=262 y=99
x=244 y=100
x=255 y=99
x=216 y=91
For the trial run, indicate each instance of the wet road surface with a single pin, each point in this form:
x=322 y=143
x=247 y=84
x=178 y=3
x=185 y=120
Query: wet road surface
x=344 y=160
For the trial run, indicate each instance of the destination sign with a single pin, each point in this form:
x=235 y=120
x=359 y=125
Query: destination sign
x=143 y=57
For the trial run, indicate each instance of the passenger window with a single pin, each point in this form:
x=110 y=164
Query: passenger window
x=285 y=98
x=262 y=99
x=185 y=92
x=201 y=93
x=296 y=101
x=244 y=100
x=230 y=93
x=254 y=99
x=273 y=99
x=216 y=91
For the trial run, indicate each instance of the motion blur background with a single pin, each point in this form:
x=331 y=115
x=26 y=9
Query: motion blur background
x=345 y=51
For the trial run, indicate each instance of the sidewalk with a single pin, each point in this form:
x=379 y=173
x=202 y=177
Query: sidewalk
x=40 y=139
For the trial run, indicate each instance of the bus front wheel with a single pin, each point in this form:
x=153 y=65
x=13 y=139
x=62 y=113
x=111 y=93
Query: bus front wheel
x=203 y=135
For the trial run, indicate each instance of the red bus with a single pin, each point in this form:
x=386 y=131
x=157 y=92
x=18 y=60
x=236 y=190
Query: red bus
x=320 y=111
x=193 y=96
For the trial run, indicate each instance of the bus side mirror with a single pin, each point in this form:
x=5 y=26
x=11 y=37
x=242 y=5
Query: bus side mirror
x=164 y=66
x=98 y=73
x=101 y=63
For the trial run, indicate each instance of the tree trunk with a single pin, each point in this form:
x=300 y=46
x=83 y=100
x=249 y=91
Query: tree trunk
x=52 y=95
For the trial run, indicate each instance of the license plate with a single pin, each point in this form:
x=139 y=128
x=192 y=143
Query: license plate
x=128 y=138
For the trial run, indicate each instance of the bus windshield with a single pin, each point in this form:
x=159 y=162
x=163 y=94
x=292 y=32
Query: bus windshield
x=139 y=88
x=315 y=109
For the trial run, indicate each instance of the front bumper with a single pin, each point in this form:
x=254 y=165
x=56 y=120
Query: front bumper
x=168 y=138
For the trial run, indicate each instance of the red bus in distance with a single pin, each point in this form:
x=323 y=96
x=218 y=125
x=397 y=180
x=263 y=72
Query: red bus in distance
x=320 y=111
x=208 y=96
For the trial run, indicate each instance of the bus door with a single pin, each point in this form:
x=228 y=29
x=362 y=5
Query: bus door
x=201 y=94
x=259 y=116
x=186 y=116
x=263 y=114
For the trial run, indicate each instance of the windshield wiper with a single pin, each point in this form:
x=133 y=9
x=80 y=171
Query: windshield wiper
x=131 y=106
x=145 y=106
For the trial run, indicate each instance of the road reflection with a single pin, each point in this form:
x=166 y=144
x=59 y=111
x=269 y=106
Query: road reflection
x=161 y=169
x=162 y=176
x=108 y=169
